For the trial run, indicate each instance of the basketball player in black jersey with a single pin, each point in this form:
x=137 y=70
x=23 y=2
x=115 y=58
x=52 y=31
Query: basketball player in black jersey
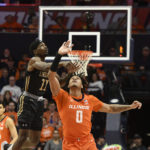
x=31 y=101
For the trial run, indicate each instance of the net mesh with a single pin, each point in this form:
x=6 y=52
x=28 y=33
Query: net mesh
x=80 y=58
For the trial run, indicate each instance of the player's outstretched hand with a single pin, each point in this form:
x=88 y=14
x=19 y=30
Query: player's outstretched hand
x=136 y=104
x=65 y=48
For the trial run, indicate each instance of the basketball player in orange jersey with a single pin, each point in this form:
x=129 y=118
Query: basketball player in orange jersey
x=75 y=107
x=8 y=132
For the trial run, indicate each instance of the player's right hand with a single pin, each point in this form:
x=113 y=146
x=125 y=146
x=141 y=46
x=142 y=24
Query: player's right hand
x=65 y=48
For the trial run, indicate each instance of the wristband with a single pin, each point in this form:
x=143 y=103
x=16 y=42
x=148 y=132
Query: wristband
x=55 y=63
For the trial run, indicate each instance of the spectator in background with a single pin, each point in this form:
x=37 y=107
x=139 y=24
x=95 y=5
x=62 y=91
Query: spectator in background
x=3 y=78
x=95 y=86
x=6 y=108
x=45 y=105
x=7 y=98
x=148 y=148
x=85 y=22
x=136 y=26
x=22 y=65
x=33 y=27
x=52 y=117
x=6 y=56
x=142 y=65
x=12 y=113
x=59 y=27
x=21 y=81
x=15 y=90
x=31 y=13
x=11 y=67
x=55 y=143
x=11 y=24
x=144 y=62
x=46 y=134
x=101 y=143
x=137 y=143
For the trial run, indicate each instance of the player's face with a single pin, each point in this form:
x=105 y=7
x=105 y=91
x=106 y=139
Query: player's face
x=42 y=49
x=2 y=109
x=75 y=81
x=52 y=107
x=56 y=134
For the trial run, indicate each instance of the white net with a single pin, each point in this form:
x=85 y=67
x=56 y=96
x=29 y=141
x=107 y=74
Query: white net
x=80 y=58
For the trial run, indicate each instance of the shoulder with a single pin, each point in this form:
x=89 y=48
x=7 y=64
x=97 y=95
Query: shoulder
x=17 y=87
x=34 y=59
x=9 y=121
x=6 y=86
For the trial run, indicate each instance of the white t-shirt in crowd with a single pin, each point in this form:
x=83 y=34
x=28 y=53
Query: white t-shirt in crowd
x=14 y=90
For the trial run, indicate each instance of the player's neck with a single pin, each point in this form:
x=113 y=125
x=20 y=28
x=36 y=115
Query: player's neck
x=75 y=92
x=41 y=57
x=2 y=116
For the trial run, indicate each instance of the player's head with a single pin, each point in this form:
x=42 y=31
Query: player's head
x=77 y=81
x=44 y=121
x=2 y=108
x=56 y=134
x=38 y=48
x=52 y=107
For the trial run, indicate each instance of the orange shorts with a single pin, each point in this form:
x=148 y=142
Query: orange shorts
x=86 y=143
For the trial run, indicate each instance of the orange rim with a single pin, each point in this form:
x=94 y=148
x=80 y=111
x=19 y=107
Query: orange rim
x=81 y=52
x=82 y=55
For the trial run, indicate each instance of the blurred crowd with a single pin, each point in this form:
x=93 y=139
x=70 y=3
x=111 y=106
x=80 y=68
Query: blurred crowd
x=104 y=82
x=80 y=2
x=80 y=24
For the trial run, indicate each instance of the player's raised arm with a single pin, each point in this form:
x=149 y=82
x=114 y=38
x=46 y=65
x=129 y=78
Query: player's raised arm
x=117 y=108
x=54 y=83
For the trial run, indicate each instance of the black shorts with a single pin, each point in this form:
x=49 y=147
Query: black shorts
x=30 y=113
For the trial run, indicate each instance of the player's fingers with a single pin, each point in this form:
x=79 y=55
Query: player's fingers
x=140 y=105
x=68 y=43
x=64 y=44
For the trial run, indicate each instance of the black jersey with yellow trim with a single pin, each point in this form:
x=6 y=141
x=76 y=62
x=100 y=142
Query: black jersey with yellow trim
x=36 y=82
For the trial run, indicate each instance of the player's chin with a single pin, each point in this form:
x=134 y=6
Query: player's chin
x=73 y=85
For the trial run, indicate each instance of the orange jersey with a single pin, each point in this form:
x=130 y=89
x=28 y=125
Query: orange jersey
x=52 y=118
x=46 y=134
x=4 y=132
x=76 y=115
x=13 y=115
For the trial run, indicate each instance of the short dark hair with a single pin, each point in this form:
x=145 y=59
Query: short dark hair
x=83 y=79
x=34 y=45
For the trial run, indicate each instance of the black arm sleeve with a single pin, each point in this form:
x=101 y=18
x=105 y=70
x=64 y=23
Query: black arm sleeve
x=55 y=63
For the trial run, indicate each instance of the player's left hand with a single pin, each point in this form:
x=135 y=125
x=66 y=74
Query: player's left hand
x=136 y=104
x=65 y=48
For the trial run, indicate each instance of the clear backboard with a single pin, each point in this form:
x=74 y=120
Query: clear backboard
x=106 y=30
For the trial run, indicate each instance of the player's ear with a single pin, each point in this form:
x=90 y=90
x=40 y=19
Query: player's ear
x=68 y=86
x=34 y=52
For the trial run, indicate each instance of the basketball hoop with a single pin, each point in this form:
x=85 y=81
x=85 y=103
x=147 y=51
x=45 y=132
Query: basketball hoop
x=80 y=58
